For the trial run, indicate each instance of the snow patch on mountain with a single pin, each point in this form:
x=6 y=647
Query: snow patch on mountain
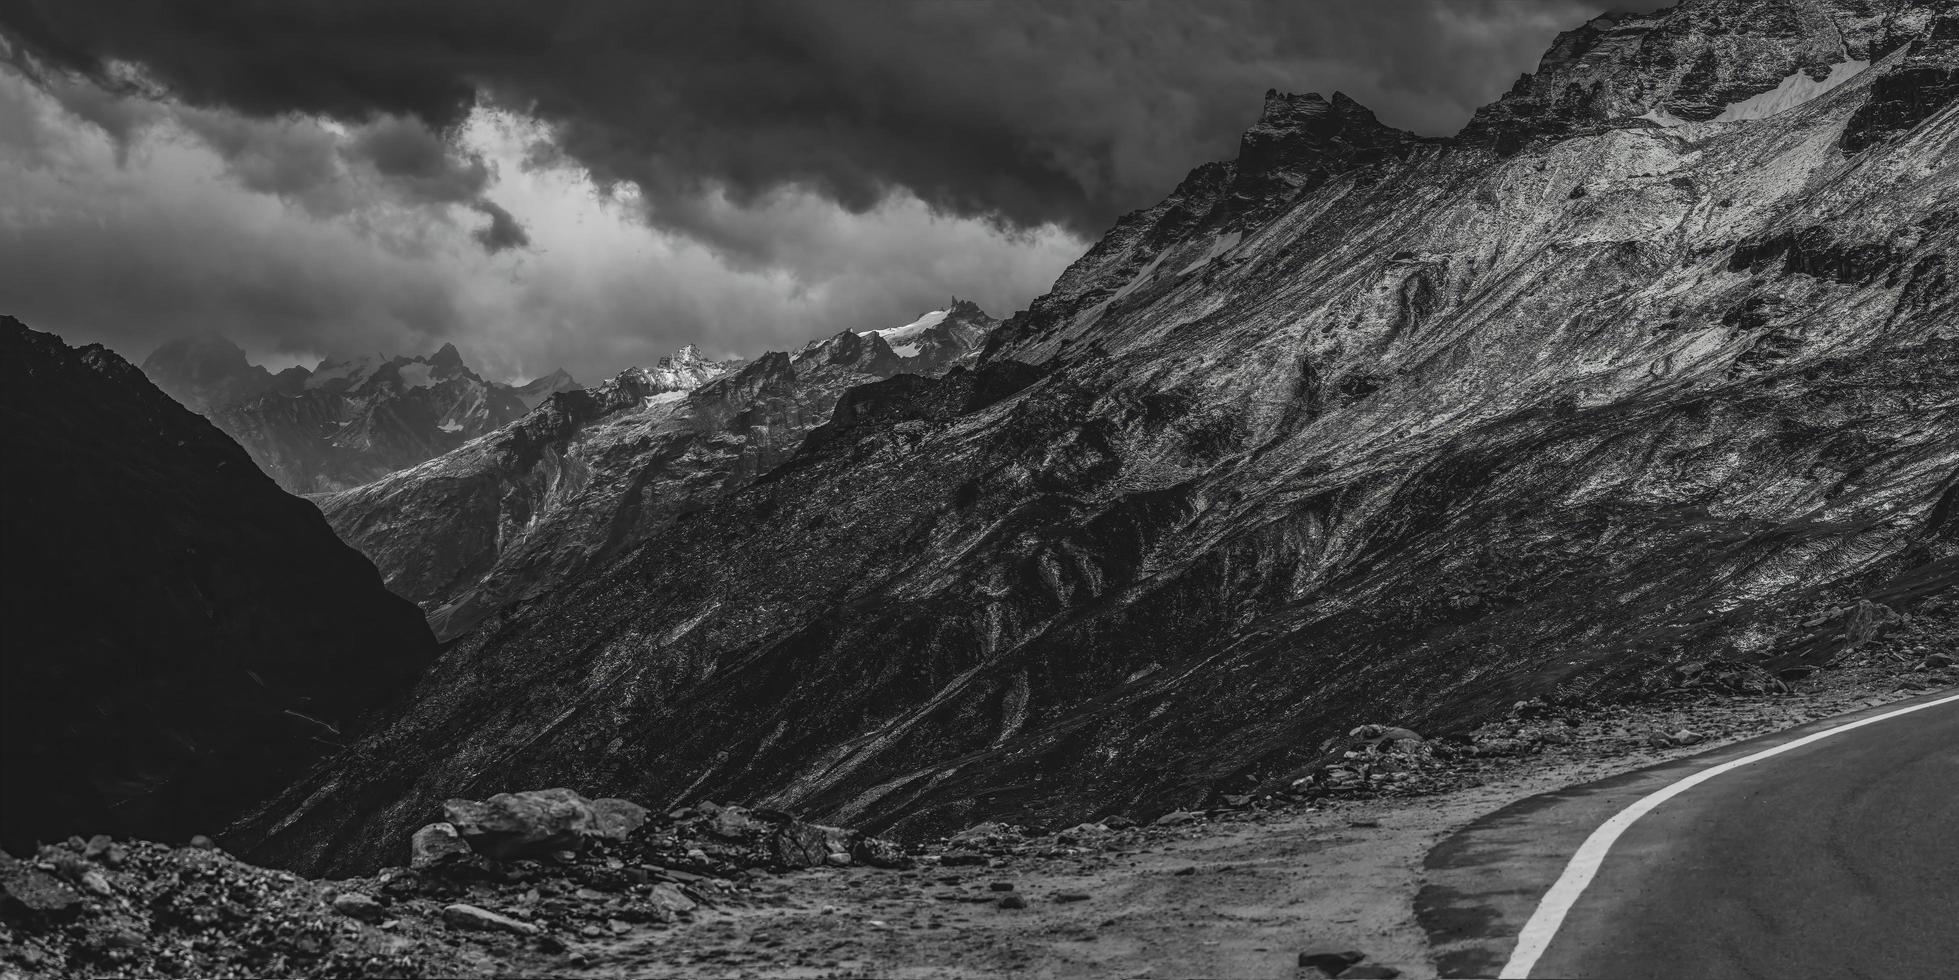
x=1225 y=243
x=896 y=336
x=1795 y=90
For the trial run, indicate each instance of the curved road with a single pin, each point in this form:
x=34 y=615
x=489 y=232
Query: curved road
x=1834 y=856
x=1835 y=859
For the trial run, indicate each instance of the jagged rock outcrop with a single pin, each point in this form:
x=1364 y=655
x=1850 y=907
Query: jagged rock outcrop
x=591 y=474
x=182 y=637
x=1447 y=429
x=939 y=340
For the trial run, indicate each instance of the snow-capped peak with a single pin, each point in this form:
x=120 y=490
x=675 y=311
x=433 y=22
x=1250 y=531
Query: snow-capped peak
x=899 y=335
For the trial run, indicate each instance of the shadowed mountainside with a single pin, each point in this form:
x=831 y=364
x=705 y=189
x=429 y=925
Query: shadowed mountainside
x=1363 y=427
x=183 y=637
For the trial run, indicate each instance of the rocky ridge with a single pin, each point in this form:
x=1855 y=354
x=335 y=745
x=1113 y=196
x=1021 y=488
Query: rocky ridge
x=1445 y=430
x=345 y=422
x=182 y=636
x=591 y=474
x=1696 y=62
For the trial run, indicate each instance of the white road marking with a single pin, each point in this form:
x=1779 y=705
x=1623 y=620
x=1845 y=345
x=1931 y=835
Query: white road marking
x=1543 y=925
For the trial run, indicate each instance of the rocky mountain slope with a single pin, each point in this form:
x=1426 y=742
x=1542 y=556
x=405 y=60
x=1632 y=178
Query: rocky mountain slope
x=345 y=422
x=591 y=474
x=182 y=637
x=1364 y=427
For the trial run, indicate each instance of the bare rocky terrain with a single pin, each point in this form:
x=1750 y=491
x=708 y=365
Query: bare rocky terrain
x=1248 y=889
x=1355 y=426
x=1366 y=484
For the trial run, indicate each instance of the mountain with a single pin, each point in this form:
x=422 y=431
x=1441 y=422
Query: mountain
x=207 y=372
x=1366 y=427
x=183 y=637
x=345 y=422
x=354 y=421
x=940 y=339
x=593 y=473
x=533 y=393
x=1722 y=60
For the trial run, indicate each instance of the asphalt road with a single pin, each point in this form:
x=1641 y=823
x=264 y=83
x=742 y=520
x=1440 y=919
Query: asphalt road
x=1836 y=859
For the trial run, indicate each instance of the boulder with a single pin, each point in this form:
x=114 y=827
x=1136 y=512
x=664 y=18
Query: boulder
x=670 y=897
x=879 y=853
x=461 y=916
x=355 y=905
x=805 y=845
x=539 y=823
x=979 y=834
x=26 y=887
x=437 y=845
x=616 y=819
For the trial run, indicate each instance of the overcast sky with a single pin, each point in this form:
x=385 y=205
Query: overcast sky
x=591 y=184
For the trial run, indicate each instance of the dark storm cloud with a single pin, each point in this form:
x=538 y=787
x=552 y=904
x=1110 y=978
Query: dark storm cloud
x=1067 y=113
x=502 y=232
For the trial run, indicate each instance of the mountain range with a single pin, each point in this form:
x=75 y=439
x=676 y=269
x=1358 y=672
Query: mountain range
x=1653 y=358
x=344 y=422
x=593 y=473
x=1357 y=425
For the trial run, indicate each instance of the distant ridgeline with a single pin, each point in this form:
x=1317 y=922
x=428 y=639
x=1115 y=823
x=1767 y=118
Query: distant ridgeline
x=343 y=423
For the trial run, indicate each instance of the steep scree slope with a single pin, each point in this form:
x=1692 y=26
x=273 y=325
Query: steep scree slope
x=182 y=637
x=1435 y=429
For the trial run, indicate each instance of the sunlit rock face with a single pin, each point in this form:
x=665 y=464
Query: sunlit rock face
x=182 y=637
x=1697 y=62
x=1430 y=427
x=591 y=474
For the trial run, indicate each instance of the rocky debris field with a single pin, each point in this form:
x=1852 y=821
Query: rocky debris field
x=1308 y=875
x=513 y=885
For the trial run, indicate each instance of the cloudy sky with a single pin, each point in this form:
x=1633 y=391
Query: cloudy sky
x=590 y=184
